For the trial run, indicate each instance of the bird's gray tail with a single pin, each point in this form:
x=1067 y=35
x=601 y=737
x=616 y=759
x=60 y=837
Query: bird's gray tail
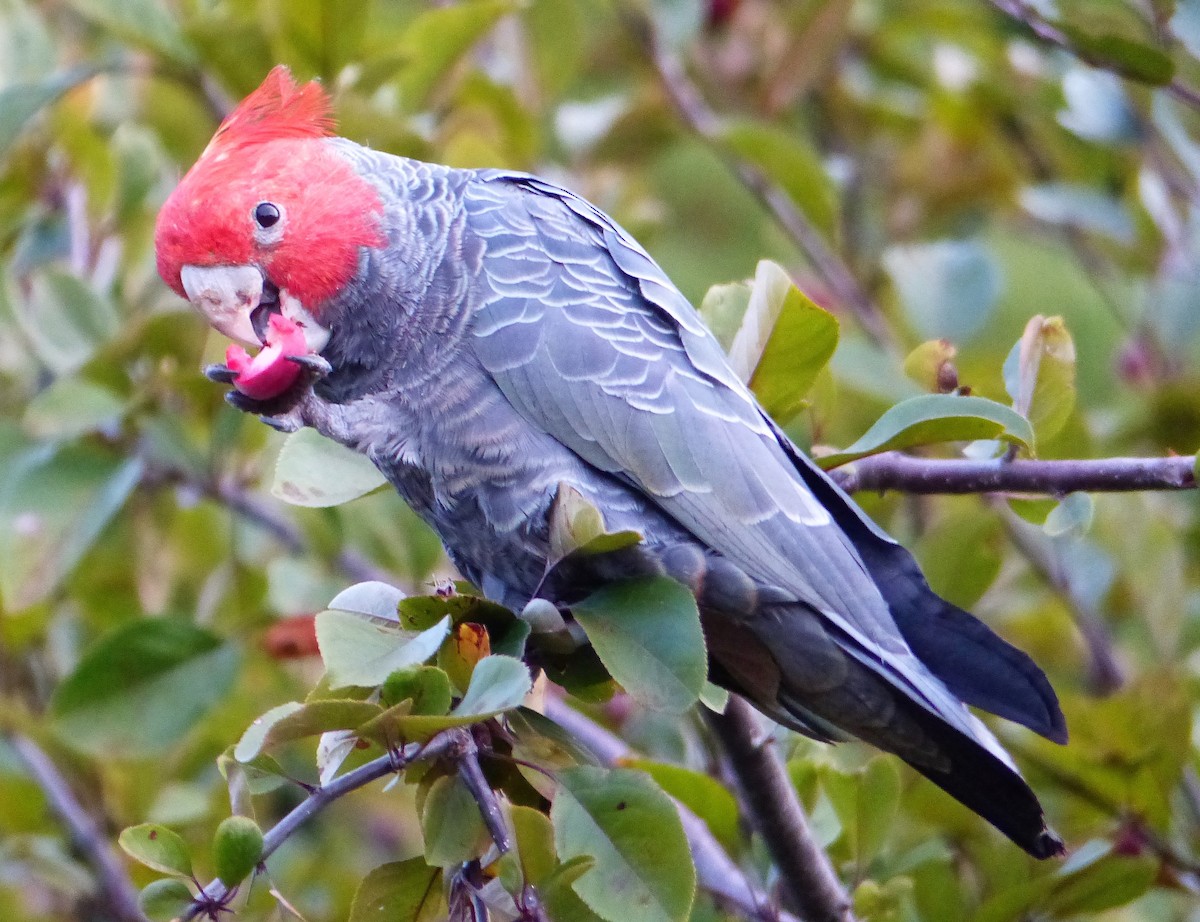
x=778 y=665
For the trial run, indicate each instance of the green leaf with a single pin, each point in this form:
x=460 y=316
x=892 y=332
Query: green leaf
x=71 y=407
x=931 y=365
x=792 y=164
x=237 y=849
x=427 y=687
x=562 y=902
x=540 y=741
x=402 y=891
x=1072 y=516
x=935 y=418
x=1185 y=24
x=1039 y=375
x=723 y=308
x=165 y=900
x=324 y=35
x=577 y=527
x=948 y=287
x=451 y=824
x=647 y=633
x=962 y=554
x=623 y=821
x=142 y=686
x=783 y=342
x=533 y=856
x=66 y=319
x=1104 y=881
x=361 y=650
x=437 y=38
x=293 y=721
x=866 y=802
x=19 y=102
x=158 y=848
x=1133 y=59
x=317 y=472
x=714 y=697
x=706 y=797
x=1079 y=207
x=498 y=684
x=374 y=598
x=148 y=23
x=54 y=505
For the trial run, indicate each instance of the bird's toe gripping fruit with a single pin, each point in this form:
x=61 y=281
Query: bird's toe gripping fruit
x=271 y=372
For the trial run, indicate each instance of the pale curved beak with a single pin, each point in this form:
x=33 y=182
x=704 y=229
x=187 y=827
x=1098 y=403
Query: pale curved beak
x=227 y=296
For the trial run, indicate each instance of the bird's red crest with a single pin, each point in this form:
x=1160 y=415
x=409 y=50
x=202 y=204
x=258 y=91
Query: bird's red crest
x=279 y=108
x=272 y=148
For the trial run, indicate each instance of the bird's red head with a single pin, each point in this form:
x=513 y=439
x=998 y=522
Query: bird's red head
x=270 y=198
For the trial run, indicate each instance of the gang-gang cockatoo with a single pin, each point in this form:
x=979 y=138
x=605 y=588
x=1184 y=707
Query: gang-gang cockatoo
x=489 y=340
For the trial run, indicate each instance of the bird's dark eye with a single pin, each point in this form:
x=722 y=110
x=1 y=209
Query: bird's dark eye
x=266 y=215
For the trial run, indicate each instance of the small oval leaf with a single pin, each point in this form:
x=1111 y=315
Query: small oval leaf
x=935 y=418
x=317 y=472
x=647 y=633
x=158 y=848
x=165 y=900
x=402 y=891
x=360 y=650
x=141 y=687
x=631 y=829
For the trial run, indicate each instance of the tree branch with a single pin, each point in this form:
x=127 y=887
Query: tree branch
x=806 y=876
x=466 y=754
x=1104 y=673
x=696 y=113
x=718 y=875
x=121 y=897
x=896 y=471
x=1053 y=35
x=244 y=504
x=435 y=748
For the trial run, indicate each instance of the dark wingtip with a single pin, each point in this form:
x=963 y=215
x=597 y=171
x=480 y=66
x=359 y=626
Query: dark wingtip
x=1047 y=845
x=1057 y=731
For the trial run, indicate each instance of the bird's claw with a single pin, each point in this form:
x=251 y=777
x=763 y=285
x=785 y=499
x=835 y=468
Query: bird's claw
x=314 y=364
x=221 y=374
x=280 y=423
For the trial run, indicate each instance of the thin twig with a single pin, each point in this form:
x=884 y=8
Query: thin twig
x=908 y=474
x=466 y=754
x=1105 y=803
x=696 y=113
x=238 y=500
x=1104 y=673
x=718 y=875
x=1053 y=35
x=388 y=764
x=806 y=876
x=121 y=897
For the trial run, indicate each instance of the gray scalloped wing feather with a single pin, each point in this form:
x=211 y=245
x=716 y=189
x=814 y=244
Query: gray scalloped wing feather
x=588 y=339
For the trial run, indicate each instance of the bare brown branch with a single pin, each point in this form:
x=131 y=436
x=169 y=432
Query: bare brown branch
x=696 y=113
x=1053 y=35
x=909 y=474
x=806 y=876
x=120 y=895
x=321 y=798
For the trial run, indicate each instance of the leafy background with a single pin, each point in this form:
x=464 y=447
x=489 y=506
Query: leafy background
x=970 y=170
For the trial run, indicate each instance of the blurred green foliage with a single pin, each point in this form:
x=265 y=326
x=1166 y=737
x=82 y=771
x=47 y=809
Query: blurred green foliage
x=974 y=177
